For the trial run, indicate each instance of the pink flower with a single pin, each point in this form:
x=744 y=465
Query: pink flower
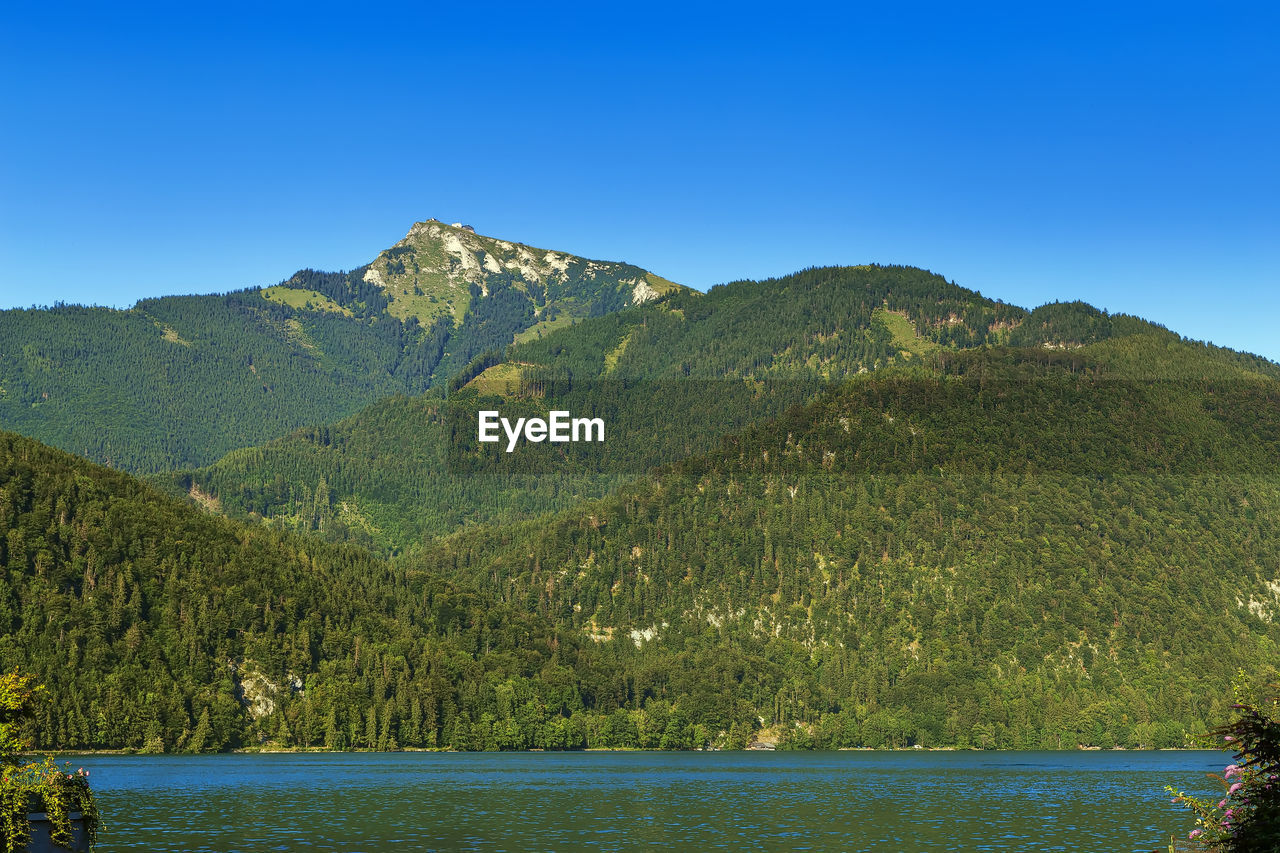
x=1236 y=787
x=1232 y=770
x=1195 y=833
x=1228 y=738
x=1222 y=804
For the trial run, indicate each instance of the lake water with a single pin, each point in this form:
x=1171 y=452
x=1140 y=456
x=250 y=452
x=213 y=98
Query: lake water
x=884 y=801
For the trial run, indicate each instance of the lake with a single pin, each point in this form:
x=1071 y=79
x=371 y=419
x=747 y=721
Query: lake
x=890 y=801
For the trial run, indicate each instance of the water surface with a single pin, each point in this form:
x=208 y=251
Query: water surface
x=600 y=801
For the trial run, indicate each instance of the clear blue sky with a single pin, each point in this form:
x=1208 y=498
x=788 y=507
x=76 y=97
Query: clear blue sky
x=1130 y=158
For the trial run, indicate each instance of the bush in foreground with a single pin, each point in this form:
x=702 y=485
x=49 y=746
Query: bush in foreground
x=38 y=786
x=1246 y=819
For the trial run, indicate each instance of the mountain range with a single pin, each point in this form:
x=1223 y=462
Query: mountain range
x=180 y=381
x=853 y=506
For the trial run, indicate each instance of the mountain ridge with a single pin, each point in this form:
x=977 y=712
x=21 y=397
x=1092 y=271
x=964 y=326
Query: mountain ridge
x=181 y=380
x=795 y=332
x=856 y=514
x=1027 y=549
x=447 y=256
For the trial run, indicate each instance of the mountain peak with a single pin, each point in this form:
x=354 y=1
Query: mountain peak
x=438 y=269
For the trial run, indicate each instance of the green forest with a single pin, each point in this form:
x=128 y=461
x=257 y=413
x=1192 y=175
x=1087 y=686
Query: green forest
x=157 y=627
x=177 y=382
x=944 y=547
x=851 y=507
x=670 y=377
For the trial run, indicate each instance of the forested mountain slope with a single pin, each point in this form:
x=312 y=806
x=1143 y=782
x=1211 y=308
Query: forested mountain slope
x=155 y=626
x=1019 y=548
x=495 y=291
x=827 y=321
x=382 y=477
x=179 y=381
x=669 y=379
x=1024 y=548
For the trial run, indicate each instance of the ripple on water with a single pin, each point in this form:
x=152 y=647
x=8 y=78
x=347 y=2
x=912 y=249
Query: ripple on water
x=660 y=801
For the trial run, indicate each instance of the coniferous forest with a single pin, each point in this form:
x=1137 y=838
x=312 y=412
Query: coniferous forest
x=857 y=506
x=180 y=381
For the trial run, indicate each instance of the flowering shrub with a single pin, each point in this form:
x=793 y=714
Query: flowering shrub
x=39 y=786
x=1247 y=817
x=43 y=787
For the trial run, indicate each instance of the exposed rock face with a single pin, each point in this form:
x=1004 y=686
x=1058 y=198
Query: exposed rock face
x=257 y=692
x=643 y=293
x=438 y=269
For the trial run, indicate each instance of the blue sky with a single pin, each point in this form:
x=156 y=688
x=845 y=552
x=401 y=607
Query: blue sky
x=1125 y=156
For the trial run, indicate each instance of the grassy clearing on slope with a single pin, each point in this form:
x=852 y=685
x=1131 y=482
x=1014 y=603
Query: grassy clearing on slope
x=432 y=296
x=171 y=335
x=904 y=334
x=306 y=299
x=662 y=285
x=545 y=327
x=299 y=335
x=611 y=357
x=501 y=379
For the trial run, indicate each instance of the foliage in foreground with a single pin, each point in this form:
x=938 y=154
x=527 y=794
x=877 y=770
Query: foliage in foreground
x=38 y=786
x=1247 y=817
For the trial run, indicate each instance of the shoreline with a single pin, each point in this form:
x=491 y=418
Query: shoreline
x=303 y=750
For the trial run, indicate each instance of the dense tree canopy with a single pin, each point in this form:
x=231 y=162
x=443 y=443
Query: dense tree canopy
x=855 y=506
x=177 y=382
x=1027 y=549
